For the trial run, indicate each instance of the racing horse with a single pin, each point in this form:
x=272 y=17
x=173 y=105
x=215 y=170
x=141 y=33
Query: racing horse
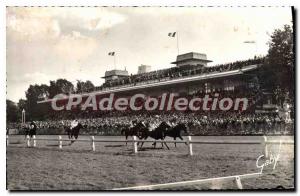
x=30 y=130
x=175 y=132
x=136 y=130
x=129 y=131
x=157 y=134
x=74 y=132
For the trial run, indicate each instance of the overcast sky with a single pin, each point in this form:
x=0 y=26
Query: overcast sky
x=45 y=44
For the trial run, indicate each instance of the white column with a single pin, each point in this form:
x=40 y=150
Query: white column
x=135 y=149
x=190 y=145
x=265 y=144
x=7 y=140
x=28 y=141
x=59 y=142
x=23 y=117
x=93 y=143
x=238 y=182
x=34 y=141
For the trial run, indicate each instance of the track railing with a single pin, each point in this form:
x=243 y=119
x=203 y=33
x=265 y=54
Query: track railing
x=236 y=179
x=265 y=142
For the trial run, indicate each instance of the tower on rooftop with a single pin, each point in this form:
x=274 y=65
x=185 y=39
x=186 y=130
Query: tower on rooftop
x=192 y=58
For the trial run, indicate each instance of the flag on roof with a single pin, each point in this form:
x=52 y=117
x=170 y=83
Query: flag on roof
x=172 y=34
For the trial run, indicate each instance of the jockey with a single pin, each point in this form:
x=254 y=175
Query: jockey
x=74 y=124
x=169 y=122
x=154 y=124
x=133 y=123
x=172 y=122
x=32 y=125
x=144 y=123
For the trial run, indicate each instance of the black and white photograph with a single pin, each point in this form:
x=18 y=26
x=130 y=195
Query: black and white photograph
x=150 y=98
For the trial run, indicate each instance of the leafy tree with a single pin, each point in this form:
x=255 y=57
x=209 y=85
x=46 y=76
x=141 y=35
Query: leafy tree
x=33 y=94
x=60 y=86
x=22 y=104
x=279 y=68
x=82 y=86
x=11 y=111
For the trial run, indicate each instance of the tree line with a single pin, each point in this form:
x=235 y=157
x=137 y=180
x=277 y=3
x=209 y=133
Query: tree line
x=37 y=93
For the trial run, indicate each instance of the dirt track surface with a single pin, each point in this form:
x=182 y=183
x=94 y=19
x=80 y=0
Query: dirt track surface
x=113 y=165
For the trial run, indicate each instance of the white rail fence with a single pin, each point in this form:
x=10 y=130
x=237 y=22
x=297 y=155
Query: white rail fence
x=265 y=142
x=236 y=179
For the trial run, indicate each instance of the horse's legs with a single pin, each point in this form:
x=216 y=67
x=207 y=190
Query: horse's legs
x=126 y=136
x=166 y=145
x=71 y=138
x=175 y=141
x=154 y=145
x=138 y=143
x=143 y=142
x=182 y=139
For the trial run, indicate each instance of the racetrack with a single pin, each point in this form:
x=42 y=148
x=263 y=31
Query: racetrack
x=113 y=165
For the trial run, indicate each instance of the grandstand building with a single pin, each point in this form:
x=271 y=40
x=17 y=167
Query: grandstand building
x=190 y=76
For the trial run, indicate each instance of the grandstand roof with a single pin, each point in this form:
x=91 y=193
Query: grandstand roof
x=115 y=72
x=168 y=82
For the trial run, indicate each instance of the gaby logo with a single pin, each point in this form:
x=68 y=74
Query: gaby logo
x=139 y=102
x=272 y=160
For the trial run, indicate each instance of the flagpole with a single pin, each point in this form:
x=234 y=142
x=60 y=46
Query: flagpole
x=115 y=61
x=177 y=43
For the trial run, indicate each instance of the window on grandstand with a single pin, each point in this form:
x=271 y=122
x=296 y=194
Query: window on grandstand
x=228 y=86
x=207 y=87
x=251 y=85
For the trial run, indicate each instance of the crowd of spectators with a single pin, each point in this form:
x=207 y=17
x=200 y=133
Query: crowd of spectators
x=198 y=124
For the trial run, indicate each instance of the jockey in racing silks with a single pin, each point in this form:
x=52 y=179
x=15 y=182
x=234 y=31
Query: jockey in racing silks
x=133 y=123
x=155 y=123
x=74 y=124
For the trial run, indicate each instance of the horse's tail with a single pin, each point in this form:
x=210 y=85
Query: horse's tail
x=187 y=129
x=164 y=134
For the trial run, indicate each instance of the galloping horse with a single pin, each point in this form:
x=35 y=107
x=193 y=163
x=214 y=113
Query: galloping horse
x=74 y=132
x=31 y=130
x=132 y=131
x=128 y=132
x=176 y=131
x=157 y=134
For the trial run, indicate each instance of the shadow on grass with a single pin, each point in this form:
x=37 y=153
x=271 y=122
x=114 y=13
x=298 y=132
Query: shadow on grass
x=150 y=149
x=122 y=152
x=56 y=145
x=17 y=142
x=114 y=145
